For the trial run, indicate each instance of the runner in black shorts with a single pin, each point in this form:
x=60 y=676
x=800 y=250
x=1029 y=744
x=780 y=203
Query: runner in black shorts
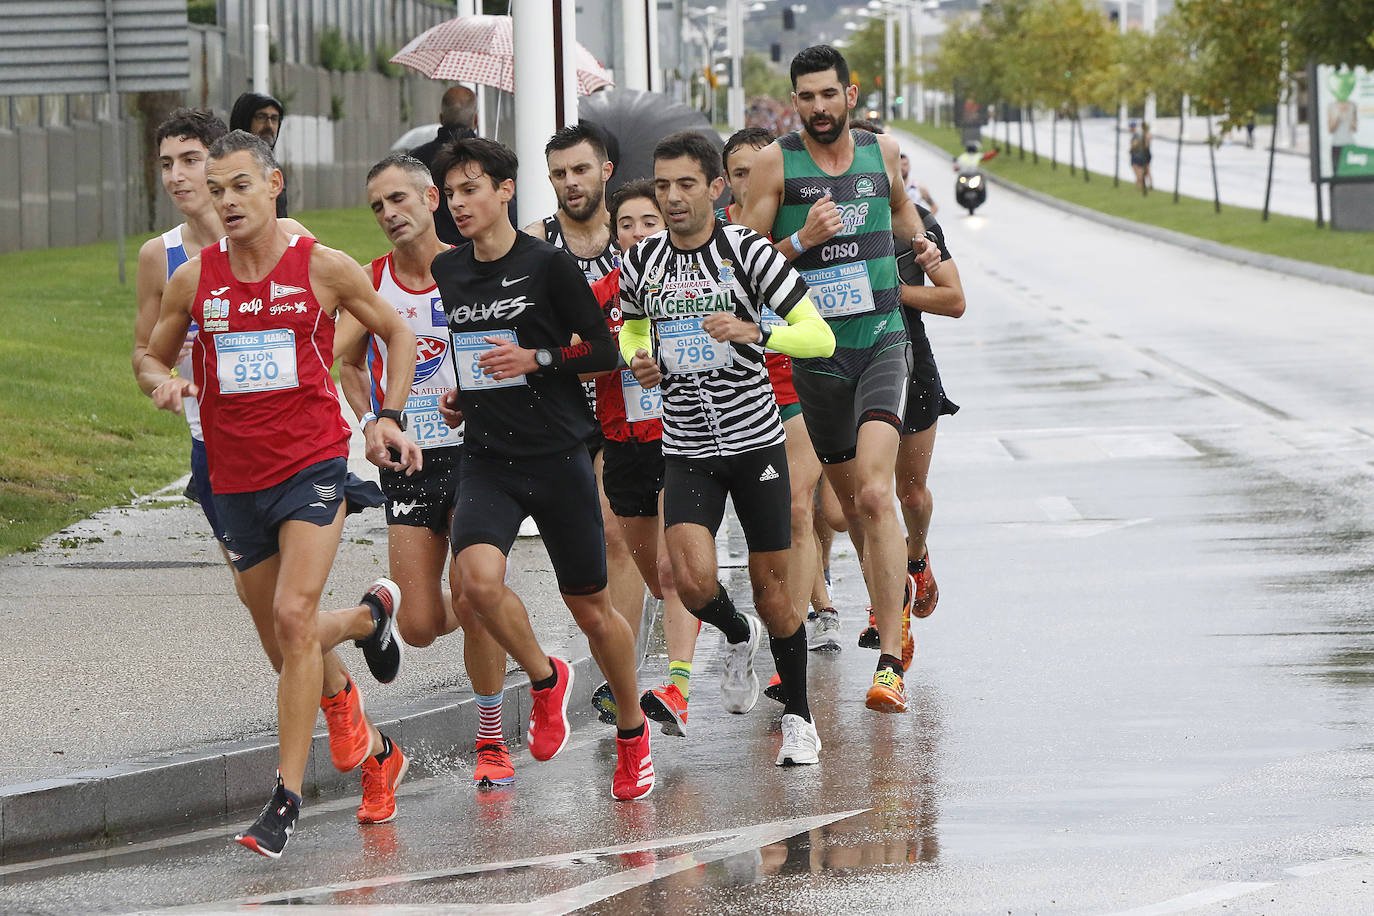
x=513 y=304
x=926 y=403
x=702 y=286
x=419 y=508
x=632 y=475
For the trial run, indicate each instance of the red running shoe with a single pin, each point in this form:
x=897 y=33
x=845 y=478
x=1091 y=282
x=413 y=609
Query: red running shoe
x=494 y=767
x=549 y=729
x=349 y=739
x=908 y=641
x=634 y=769
x=379 y=786
x=927 y=592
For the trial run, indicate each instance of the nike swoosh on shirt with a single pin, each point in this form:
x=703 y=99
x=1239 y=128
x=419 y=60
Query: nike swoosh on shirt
x=505 y=282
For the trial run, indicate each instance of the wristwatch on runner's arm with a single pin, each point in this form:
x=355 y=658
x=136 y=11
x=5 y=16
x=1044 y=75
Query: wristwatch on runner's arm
x=398 y=415
x=543 y=357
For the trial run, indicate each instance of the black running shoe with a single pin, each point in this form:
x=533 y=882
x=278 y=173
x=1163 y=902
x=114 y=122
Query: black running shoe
x=383 y=648
x=272 y=829
x=868 y=639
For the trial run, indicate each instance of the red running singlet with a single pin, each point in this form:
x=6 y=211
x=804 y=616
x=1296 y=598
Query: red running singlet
x=267 y=404
x=611 y=390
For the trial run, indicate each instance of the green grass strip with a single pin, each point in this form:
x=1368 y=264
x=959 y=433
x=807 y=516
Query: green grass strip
x=1286 y=236
x=78 y=435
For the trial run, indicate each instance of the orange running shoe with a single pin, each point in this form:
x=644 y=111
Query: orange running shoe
x=494 y=767
x=349 y=737
x=379 y=785
x=927 y=592
x=887 y=693
x=668 y=706
x=908 y=641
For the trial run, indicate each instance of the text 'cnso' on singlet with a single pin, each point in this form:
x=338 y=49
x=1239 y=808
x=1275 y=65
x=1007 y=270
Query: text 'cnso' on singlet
x=852 y=275
x=423 y=312
x=175 y=247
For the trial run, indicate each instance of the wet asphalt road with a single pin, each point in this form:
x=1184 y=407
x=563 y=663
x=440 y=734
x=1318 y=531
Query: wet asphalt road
x=1146 y=689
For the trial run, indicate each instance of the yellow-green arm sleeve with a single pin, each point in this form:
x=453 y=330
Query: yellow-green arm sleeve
x=634 y=336
x=805 y=337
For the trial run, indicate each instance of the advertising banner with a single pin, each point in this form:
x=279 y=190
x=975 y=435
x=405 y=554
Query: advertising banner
x=1344 y=124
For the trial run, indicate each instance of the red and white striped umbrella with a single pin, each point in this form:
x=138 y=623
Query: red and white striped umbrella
x=480 y=49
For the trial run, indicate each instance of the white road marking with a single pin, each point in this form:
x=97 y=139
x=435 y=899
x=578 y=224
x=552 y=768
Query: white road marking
x=1340 y=863
x=1199 y=899
x=1059 y=509
x=726 y=843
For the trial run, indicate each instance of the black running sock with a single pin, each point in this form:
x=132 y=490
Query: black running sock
x=387 y=748
x=916 y=567
x=625 y=734
x=888 y=661
x=720 y=613
x=547 y=682
x=789 y=654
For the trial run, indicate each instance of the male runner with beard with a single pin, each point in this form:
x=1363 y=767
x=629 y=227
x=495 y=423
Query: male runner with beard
x=578 y=170
x=832 y=199
x=701 y=287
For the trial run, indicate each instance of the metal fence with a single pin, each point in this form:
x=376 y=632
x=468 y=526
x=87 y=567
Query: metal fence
x=56 y=181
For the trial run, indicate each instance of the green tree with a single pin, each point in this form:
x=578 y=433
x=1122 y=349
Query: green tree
x=1335 y=31
x=763 y=77
x=1238 y=48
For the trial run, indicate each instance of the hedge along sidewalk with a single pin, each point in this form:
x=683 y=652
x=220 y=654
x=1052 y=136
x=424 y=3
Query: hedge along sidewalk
x=1284 y=244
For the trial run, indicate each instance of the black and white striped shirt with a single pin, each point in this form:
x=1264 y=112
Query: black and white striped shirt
x=710 y=409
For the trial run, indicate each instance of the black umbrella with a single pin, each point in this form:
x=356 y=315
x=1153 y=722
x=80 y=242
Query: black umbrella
x=635 y=121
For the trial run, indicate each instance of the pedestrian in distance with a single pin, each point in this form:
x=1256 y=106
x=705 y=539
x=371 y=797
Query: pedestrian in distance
x=701 y=287
x=419 y=507
x=275 y=441
x=513 y=304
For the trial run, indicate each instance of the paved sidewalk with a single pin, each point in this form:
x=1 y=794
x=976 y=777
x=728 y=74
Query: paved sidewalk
x=134 y=688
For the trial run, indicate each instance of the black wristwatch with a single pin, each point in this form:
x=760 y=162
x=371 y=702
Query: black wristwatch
x=398 y=415
x=543 y=357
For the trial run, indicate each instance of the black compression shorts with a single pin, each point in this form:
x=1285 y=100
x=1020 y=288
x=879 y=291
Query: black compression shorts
x=557 y=491
x=694 y=491
x=632 y=476
x=836 y=407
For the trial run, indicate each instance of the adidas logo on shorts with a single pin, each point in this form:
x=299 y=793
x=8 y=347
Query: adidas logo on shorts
x=768 y=474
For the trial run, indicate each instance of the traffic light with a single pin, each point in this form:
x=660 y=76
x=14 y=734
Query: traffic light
x=789 y=18
x=775 y=52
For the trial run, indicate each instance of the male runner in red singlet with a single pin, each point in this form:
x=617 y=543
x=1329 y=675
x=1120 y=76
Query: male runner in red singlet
x=184 y=141
x=277 y=445
x=419 y=507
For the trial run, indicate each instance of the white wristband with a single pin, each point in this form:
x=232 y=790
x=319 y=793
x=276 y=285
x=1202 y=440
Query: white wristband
x=797 y=246
x=366 y=419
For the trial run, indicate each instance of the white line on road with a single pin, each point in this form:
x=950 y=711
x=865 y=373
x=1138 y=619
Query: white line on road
x=1340 y=863
x=1199 y=899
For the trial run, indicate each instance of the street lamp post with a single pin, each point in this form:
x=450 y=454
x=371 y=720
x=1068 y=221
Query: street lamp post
x=735 y=41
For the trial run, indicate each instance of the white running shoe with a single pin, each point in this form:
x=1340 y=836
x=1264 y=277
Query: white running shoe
x=739 y=685
x=800 y=743
x=825 y=634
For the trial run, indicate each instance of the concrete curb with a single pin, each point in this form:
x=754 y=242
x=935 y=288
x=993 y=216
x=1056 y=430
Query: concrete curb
x=100 y=807
x=1320 y=273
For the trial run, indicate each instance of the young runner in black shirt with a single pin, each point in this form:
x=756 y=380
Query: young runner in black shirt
x=513 y=304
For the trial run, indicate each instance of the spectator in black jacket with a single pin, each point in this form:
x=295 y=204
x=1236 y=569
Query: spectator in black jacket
x=262 y=115
x=457 y=121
